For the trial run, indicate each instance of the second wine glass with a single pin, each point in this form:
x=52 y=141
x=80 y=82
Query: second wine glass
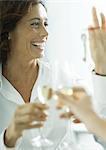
x=41 y=141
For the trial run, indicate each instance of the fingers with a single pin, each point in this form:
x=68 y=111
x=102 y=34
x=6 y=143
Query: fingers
x=41 y=106
x=26 y=114
x=47 y=92
x=66 y=115
x=28 y=122
x=39 y=125
x=102 y=21
x=103 y=25
x=92 y=42
x=26 y=119
x=71 y=116
x=32 y=108
x=78 y=92
x=91 y=34
x=65 y=99
x=76 y=121
x=96 y=25
x=78 y=89
x=95 y=18
x=60 y=104
x=29 y=126
x=96 y=43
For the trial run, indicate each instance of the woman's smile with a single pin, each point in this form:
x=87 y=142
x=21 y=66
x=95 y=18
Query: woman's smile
x=39 y=45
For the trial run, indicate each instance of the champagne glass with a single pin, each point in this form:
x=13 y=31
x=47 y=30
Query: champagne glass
x=63 y=81
x=41 y=141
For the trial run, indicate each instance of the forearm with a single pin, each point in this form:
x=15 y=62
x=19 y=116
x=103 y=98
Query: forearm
x=11 y=137
x=96 y=125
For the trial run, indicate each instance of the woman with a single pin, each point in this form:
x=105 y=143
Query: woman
x=23 y=35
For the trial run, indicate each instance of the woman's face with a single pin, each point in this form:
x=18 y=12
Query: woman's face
x=30 y=35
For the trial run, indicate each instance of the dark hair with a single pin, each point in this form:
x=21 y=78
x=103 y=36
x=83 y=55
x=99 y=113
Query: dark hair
x=11 y=11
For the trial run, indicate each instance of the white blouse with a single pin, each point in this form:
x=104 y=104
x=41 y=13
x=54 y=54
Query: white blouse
x=10 y=98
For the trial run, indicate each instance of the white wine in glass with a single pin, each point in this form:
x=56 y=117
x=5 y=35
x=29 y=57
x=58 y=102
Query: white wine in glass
x=41 y=141
x=63 y=82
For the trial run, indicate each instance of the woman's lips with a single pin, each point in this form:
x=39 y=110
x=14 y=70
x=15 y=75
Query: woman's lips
x=39 y=45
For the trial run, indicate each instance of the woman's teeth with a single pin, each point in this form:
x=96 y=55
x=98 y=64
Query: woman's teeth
x=39 y=45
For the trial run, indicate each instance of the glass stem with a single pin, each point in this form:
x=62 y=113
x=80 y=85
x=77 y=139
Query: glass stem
x=41 y=134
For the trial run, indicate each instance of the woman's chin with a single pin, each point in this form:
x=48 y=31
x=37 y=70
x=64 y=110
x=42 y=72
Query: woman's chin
x=38 y=55
x=37 y=52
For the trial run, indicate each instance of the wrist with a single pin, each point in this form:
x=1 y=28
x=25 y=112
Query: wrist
x=91 y=121
x=94 y=72
x=11 y=137
x=97 y=126
x=100 y=70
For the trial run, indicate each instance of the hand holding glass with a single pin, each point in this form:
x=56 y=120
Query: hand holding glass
x=41 y=141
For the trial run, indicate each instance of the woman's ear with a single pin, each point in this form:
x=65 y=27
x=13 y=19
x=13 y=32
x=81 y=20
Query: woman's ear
x=9 y=36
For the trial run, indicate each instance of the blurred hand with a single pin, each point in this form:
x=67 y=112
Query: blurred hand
x=26 y=116
x=97 y=40
x=69 y=115
x=79 y=103
x=77 y=92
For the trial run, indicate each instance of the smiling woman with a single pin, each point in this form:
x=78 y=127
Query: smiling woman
x=12 y=17
x=23 y=35
x=26 y=43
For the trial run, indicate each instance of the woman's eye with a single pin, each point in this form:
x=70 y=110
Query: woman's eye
x=35 y=24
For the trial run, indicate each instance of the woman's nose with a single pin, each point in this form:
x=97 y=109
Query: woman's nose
x=44 y=32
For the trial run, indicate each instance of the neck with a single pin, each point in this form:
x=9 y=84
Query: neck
x=21 y=63
x=22 y=74
x=18 y=69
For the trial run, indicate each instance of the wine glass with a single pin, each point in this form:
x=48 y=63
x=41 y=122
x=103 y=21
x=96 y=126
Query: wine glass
x=62 y=80
x=65 y=79
x=41 y=141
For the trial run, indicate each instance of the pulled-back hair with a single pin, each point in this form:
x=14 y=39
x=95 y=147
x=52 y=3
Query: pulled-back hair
x=11 y=11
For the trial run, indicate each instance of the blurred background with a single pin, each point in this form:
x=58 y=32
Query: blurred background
x=68 y=21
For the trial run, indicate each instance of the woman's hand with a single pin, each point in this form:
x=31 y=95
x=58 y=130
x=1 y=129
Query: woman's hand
x=82 y=109
x=79 y=103
x=97 y=40
x=77 y=93
x=27 y=116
